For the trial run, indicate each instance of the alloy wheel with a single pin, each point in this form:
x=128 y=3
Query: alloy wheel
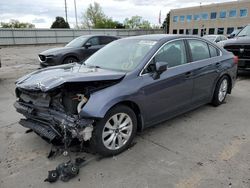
x=117 y=131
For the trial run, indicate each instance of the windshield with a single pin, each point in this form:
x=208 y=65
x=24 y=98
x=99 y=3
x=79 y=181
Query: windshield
x=210 y=38
x=244 y=32
x=121 y=55
x=77 y=42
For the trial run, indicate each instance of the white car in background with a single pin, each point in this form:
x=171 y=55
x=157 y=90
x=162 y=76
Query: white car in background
x=215 y=38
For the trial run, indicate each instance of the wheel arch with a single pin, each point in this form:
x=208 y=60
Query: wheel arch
x=135 y=107
x=70 y=55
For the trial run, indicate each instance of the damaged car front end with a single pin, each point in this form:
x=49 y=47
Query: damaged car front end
x=51 y=103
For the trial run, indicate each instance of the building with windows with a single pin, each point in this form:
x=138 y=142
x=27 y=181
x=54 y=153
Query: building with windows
x=219 y=18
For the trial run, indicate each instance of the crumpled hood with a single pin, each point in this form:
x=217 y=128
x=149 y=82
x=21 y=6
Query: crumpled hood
x=237 y=40
x=52 y=77
x=55 y=51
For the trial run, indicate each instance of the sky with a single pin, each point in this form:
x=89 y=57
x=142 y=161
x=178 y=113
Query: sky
x=42 y=13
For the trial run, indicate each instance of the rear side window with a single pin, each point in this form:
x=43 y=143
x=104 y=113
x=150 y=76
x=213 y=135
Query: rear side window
x=213 y=51
x=106 y=40
x=199 y=50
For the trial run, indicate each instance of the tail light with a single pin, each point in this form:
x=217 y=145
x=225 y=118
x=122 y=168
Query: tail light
x=236 y=60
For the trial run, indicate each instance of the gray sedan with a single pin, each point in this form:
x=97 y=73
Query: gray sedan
x=125 y=87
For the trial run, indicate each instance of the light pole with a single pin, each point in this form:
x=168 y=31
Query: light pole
x=66 y=14
x=76 y=14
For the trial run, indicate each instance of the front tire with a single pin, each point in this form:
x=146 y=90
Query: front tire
x=114 y=133
x=221 y=91
x=69 y=60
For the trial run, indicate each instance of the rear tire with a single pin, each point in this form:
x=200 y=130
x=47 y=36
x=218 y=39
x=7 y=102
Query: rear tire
x=70 y=60
x=114 y=133
x=221 y=91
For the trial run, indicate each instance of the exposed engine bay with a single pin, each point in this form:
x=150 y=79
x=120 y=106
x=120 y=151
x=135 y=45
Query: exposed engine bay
x=54 y=115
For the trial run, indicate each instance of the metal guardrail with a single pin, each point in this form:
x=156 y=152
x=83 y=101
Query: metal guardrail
x=55 y=36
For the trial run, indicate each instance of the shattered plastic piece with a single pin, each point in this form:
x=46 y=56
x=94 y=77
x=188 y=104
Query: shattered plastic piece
x=52 y=176
x=65 y=171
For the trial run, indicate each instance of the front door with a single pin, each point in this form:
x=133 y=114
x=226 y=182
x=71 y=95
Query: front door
x=172 y=92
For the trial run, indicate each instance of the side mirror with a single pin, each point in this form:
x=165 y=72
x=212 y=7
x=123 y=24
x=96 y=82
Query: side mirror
x=160 y=67
x=87 y=45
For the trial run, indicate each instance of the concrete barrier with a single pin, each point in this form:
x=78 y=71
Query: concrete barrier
x=56 y=36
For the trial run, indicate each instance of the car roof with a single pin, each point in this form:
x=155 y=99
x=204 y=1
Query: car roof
x=160 y=37
x=88 y=36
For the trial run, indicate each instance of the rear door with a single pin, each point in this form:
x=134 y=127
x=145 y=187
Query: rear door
x=206 y=62
x=172 y=92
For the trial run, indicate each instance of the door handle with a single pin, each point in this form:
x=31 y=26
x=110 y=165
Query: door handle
x=218 y=64
x=188 y=74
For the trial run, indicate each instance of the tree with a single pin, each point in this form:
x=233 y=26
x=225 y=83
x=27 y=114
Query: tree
x=60 y=23
x=165 y=24
x=136 y=22
x=94 y=16
x=17 y=24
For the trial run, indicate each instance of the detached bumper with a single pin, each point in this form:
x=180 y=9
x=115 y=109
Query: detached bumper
x=52 y=125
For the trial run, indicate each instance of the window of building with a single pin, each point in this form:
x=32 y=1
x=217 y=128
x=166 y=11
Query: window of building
x=196 y=17
x=211 y=31
x=173 y=53
x=240 y=28
x=223 y=14
x=181 y=31
x=204 y=16
x=213 y=15
x=175 y=19
x=230 y=30
x=195 y=31
x=175 y=31
x=243 y=12
x=220 y=31
x=189 y=18
x=182 y=18
x=213 y=51
x=188 y=31
x=199 y=50
x=233 y=13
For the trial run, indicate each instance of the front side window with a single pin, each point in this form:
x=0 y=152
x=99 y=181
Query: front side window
x=204 y=16
x=223 y=14
x=173 y=53
x=175 y=19
x=213 y=15
x=243 y=12
x=244 y=32
x=199 y=50
x=121 y=55
x=93 y=41
x=232 y=13
x=189 y=18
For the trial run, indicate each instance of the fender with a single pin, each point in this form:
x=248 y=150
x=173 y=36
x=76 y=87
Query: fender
x=100 y=102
